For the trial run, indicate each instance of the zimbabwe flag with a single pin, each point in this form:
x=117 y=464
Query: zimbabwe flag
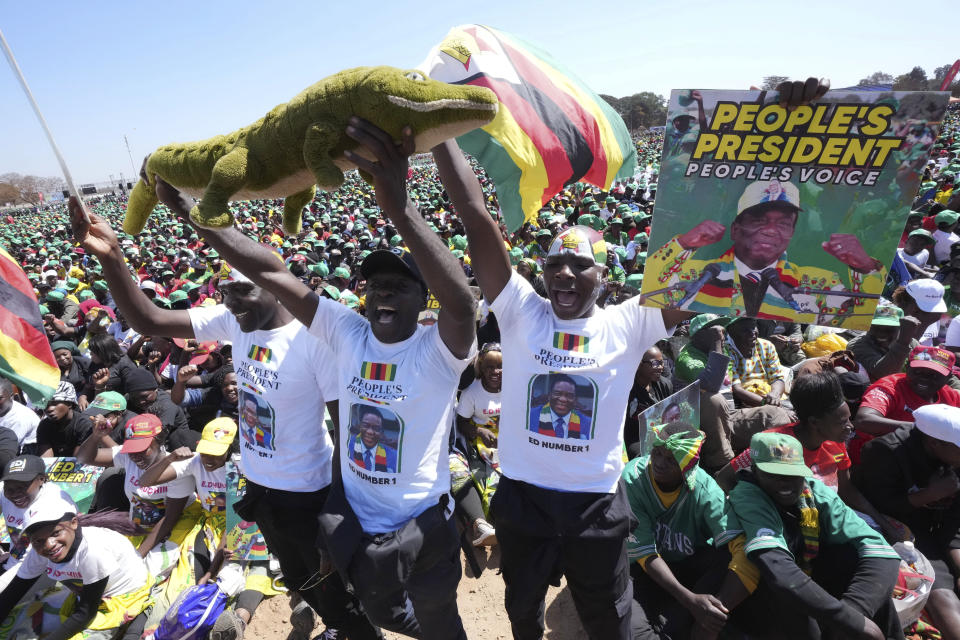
x=551 y=130
x=25 y=355
x=378 y=371
x=570 y=342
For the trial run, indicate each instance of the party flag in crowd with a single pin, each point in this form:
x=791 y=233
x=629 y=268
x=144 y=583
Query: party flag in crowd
x=550 y=131
x=25 y=355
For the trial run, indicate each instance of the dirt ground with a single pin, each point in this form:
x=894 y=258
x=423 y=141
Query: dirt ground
x=480 y=601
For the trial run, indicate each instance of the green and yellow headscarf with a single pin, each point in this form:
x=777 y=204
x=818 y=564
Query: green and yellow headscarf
x=685 y=450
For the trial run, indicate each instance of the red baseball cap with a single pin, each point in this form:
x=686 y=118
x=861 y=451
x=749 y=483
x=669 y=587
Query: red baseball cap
x=200 y=353
x=940 y=360
x=140 y=432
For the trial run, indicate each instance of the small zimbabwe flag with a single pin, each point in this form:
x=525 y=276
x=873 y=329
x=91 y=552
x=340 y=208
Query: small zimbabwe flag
x=570 y=342
x=260 y=354
x=249 y=387
x=378 y=371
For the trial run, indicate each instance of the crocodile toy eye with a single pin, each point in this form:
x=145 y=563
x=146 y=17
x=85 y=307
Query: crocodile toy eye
x=415 y=75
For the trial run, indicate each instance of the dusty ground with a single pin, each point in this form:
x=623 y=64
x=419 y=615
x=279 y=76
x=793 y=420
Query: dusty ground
x=480 y=601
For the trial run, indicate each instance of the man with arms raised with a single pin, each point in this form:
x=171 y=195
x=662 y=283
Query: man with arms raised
x=281 y=369
x=560 y=501
x=407 y=583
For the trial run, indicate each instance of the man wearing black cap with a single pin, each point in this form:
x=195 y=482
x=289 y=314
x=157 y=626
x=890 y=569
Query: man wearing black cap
x=407 y=583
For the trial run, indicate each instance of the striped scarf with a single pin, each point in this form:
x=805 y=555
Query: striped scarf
x=686 y=451
x=546 y=428
x=379 y=458
x=809 y=529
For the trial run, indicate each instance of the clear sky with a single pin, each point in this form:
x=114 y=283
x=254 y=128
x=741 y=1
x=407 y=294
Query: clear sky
x=179 y=71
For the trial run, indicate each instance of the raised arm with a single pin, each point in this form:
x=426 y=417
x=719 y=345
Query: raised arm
x=160 y=472
x=440 y=269
x=488 y=255
x=253 y=260
x=146 y=318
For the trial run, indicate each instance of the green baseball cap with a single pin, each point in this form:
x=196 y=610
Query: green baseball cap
x=922 y=233
x=100 y=285
x=779 y=454
x=887 y=315
x=341 y=272
x=947 y=216
x=56 y=295
x=705 y=320
x=177 y=296
x=86 y=294
x=332 y=291
x=108 y=402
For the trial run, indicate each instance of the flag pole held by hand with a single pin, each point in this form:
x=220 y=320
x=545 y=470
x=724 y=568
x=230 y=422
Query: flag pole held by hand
x=43 y=123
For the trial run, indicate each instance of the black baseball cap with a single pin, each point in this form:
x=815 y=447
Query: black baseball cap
x=24 y=468
x=396 y=260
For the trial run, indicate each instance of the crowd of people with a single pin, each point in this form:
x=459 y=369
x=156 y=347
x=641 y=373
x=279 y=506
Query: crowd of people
x=405 y=381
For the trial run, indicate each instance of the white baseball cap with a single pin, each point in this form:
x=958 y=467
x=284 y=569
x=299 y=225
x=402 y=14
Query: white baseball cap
x=47 y=509
x=49 y=274
x=765 y=191
x=940 y=421
x=928 y=294
x=148 y=284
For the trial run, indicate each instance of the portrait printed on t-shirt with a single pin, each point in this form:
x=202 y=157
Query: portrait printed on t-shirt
x=146 y=513
x=257 y=421
x=376 y=434
x=216 y=502
x=562 y=405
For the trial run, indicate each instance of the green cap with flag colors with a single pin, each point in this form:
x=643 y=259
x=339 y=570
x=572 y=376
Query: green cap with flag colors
x=779 y=454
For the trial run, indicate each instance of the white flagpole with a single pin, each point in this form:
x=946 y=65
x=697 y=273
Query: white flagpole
x=43 y=123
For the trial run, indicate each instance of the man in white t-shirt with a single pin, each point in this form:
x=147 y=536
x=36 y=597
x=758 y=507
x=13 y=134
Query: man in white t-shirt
x=283 y=379
x=16 y=417
x=389 y=531
x=560 y=506
x=945 y=235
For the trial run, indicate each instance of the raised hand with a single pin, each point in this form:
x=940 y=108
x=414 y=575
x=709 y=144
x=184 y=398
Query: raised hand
x=389 y=169
x=799 y=92
x=846 y=248
x=94 y=236
x=705 y=233
x=101 y=377
x=186 y=372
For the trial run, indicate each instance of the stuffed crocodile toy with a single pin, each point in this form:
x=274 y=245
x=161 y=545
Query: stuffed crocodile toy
x=300 y=144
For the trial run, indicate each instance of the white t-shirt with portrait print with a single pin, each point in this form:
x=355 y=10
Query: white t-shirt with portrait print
x=284 y=377
x=479 y=405
x=581 y=370
x=102 y=553
x=147 y=504
x=410 y=387
x=211 y=486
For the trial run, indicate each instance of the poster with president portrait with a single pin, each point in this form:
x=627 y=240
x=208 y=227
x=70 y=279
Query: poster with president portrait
x=786 y=215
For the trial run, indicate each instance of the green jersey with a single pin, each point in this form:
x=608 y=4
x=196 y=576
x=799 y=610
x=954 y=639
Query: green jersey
x=819 y=518
x=696 y=519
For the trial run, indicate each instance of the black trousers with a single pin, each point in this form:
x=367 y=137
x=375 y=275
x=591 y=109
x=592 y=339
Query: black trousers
x=656 y=614
x=288 y=522
x=406 y=579
x=544 y=534
x=864 y=585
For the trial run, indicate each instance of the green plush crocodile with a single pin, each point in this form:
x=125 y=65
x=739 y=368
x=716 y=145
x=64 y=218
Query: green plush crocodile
x=301 y=143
